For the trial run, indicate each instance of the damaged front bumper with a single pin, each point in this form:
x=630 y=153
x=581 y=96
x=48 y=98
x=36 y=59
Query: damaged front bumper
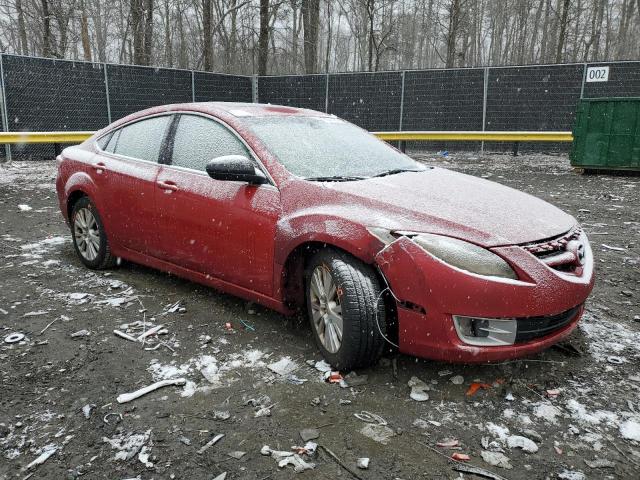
x=448 y=314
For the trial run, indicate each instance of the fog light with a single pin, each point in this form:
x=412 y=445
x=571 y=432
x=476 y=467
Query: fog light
x=486 y=331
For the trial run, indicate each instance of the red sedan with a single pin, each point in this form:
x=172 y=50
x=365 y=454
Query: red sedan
x=297 y=209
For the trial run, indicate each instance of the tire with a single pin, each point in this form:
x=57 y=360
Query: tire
x=87 y=228
x=357 y=298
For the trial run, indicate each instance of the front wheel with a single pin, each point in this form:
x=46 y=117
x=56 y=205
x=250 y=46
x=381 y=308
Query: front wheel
x=89 y=238
x=346 y=312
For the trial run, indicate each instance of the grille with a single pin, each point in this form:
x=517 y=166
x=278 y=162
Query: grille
x=535 y=327
x=557 y=252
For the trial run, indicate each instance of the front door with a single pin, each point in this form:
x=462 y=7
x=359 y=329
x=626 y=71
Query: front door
x=224 y=229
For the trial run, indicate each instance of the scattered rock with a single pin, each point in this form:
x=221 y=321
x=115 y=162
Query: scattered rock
x=457 y=380
x=379 y=433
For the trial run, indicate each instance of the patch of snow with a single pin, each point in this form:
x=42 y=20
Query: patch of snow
x=547 y=412
x=580 y=413
x=630 y=429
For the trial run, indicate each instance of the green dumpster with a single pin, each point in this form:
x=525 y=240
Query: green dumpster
x=607 y=134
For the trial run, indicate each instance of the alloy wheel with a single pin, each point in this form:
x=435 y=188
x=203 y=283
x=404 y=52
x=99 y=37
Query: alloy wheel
x=326 y=309
x=86 y=233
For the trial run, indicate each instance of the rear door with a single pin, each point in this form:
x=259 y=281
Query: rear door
x=126 y=171
x=224 y=229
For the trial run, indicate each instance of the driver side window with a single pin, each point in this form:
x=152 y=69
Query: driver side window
x=198 y=140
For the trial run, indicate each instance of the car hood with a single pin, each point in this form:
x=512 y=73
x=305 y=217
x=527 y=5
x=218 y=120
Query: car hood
x=449 y=203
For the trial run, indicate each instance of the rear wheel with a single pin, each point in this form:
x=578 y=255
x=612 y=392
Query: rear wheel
x=345 y=310
x=89 y=238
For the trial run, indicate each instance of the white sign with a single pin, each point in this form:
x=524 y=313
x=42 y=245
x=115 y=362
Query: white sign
x=598 y=74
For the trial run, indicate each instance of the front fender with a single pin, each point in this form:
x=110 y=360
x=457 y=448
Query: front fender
x=336 y=231
x=79 y=181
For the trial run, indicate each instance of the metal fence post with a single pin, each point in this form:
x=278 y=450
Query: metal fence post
x=584 y=77
x=3 y=110
x=193 y=86
x=326 y=93
x=254 y=89
x=401 y=144
x=106 y=91
x=484 y=104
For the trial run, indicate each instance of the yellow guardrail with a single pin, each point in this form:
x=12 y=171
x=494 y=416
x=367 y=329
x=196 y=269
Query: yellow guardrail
x=44 y=137
x=474 y=136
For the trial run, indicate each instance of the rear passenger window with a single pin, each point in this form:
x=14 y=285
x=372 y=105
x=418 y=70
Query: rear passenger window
x=198 y=140
x=142 y=139
x=111 y=146
x=104 y=140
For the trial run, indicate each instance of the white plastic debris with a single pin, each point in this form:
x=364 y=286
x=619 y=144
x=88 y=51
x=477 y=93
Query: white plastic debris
x=81 y=333
x=14 y=337
x=288 y=458
x=496 y=459
x=571 y=475
x=127 y=397
x=222 y=476
x=418 y=390
x=45 y=454
x=285 y=366
x=128 y=445
x=517 y=441
x=24 y=207
x=237 y=454
x=322 y=366
x=210 y=443
x=86 y=410
x=362 y=463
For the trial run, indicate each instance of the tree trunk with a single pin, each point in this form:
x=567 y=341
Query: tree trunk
x=310 y=20
x=148 y=31
x=207 y=35
x=263 y=38
x=84 y=32
x=137 y=28
x=452 y=33
x=46 y=29
x=22 y=29
x=563 y=30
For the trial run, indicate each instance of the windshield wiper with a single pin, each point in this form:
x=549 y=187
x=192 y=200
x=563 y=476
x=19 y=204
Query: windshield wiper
x=397 y=170
x=335 y=178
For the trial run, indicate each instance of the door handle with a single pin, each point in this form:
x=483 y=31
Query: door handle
x=99 y=167
x=167 y=186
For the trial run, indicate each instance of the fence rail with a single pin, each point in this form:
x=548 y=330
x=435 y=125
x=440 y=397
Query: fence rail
x=41 y=95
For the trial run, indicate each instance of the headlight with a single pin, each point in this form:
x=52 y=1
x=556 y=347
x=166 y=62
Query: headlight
x=464 y=255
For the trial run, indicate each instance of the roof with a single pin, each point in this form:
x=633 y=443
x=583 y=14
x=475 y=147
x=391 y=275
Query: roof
x=240 y=109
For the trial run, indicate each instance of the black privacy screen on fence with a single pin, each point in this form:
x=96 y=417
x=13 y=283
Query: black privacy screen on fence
x=49 y=95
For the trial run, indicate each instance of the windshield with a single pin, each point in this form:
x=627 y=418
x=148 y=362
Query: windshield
x=325 y=148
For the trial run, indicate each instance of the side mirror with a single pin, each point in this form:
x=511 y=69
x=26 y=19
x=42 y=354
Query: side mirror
x=235 y=168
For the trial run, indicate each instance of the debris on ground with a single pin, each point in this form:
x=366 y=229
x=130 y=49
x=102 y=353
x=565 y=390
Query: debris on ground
x=461 y=457
x=237 y=454
x=87 y=409
x=288 y=458
x=475 y=386
x=496 y=459
x=362 y=463
x=14 y=337
x=127 y=397
x=418 y=389
x=129 y=445
x=210 y=443
x=518 y=441
x=45 y=454
x=378 y=433
x=481 y=472
x=457 y=380
x=81 y=333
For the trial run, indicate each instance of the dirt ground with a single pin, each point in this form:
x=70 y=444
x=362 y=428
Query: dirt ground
x=579 y=404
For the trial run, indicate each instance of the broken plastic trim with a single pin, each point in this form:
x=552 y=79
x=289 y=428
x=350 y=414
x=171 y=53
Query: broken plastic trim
x=452 y=251
x=486 y=331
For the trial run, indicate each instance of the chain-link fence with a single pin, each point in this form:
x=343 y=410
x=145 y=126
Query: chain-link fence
x=44 y=95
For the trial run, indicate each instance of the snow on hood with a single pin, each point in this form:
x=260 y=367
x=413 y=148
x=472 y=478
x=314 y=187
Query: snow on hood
x=450 y=203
